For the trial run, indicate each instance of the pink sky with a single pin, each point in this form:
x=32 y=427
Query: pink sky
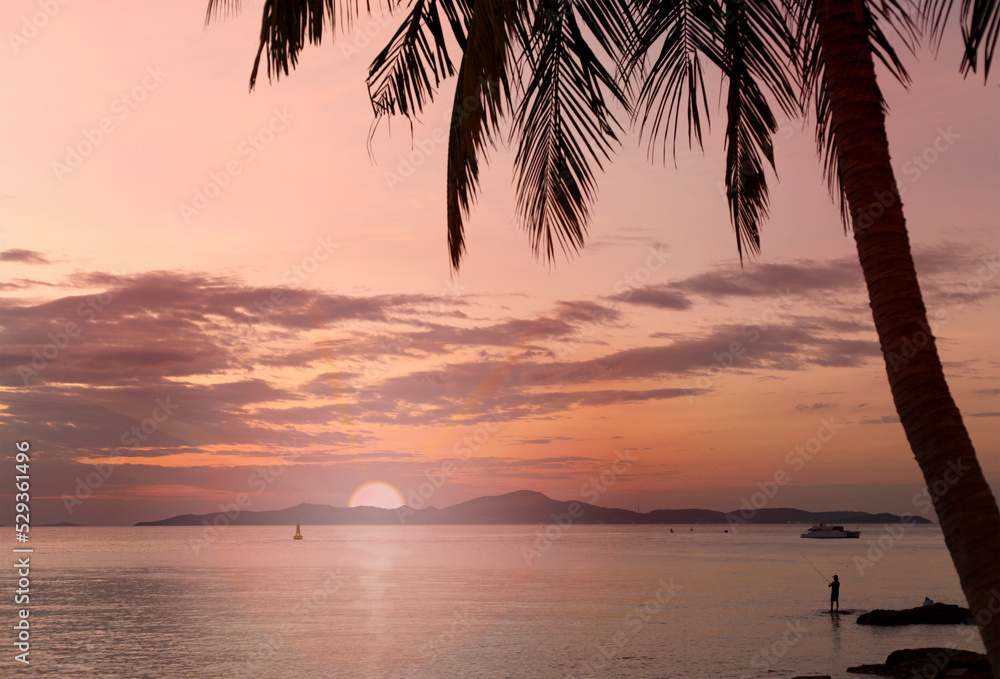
x=367 y=361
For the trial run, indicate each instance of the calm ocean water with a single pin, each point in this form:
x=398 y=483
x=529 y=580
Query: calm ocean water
x=469 y=601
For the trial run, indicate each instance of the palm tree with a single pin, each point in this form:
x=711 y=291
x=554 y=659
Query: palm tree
x=528 y=61
x=841 y=71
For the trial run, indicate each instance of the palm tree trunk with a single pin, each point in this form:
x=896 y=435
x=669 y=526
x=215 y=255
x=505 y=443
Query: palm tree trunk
x=965 y=506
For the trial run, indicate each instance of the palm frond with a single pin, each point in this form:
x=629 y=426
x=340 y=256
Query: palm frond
x=757 y=47
x=674 y=83
x=813 y=85
x=891 y=14
x=221 y=9
x=400 y=77
x=564 y=123
x=980 y=29
x=826 y=145
x=287 y=25
x=482 y=96
x=934 y=17
x=612 y=24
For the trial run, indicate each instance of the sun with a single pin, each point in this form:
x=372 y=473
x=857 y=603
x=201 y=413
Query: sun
x=376 y=494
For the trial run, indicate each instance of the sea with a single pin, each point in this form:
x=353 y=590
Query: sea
x=501 y=601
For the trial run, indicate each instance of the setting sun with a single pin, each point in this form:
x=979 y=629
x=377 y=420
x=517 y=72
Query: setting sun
x=377 y=494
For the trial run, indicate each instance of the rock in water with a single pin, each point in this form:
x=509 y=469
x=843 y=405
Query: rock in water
x=930 y=662
x=938 y=614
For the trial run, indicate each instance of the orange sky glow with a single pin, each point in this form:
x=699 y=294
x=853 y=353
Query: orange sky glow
x=209 y=292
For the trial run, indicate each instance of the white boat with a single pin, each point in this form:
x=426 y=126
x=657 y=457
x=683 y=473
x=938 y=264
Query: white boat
x=825 y=530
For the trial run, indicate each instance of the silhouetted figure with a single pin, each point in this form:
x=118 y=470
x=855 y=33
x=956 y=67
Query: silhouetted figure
x=927 y=601
x=834 y=592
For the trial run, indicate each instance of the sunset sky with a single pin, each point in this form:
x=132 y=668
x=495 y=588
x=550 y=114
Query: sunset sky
x=245 y=269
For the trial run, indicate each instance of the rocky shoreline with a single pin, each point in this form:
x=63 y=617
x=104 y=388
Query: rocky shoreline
x=930 y=662
x=922 y=662
x=913 y=663
x=936 y=614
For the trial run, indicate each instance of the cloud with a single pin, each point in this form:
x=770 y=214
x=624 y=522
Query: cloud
x=885 y=419
x=539 y=441
x=658 y=297
x=814 y=406
x=171 y=324
x=583 y=311
x=23 y=256
x=527 y=387
x=766 y=280
x=949 y=268
x=625 y=236
x=255 y=368
x=24 y=284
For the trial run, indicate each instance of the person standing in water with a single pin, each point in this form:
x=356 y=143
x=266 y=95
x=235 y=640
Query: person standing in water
x=834 y=593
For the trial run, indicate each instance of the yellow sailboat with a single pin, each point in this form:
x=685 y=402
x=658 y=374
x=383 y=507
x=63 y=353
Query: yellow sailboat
x=298 y=533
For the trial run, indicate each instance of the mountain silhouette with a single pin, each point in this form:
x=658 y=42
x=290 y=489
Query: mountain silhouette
x=518 y=507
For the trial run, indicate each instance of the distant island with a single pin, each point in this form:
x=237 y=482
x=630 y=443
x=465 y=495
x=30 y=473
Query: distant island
x=519 y=507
